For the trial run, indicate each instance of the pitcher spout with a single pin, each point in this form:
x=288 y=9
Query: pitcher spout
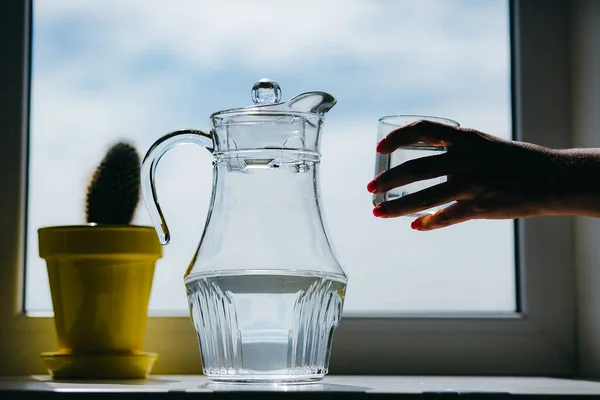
x=312 y=102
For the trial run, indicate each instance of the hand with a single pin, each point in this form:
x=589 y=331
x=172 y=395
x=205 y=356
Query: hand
x=487 y=177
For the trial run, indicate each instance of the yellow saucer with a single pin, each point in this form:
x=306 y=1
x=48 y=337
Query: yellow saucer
x=103 y=366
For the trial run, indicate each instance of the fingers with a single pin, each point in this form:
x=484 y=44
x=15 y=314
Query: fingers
x=456 y=213
x=412 y=171
x=422 y=200
x=429 y=132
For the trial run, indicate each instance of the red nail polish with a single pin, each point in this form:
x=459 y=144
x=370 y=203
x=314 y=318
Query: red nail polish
x=372 y=186
x=381 y=145
x=380 y=211
x=416 y=224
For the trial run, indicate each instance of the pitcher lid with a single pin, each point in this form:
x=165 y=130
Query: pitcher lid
x=266 y=96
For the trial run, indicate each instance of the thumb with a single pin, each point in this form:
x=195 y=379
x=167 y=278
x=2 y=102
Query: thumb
x=458 y=212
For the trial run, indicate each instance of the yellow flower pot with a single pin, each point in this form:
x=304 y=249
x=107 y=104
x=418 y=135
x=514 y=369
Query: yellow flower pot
x=100 y=281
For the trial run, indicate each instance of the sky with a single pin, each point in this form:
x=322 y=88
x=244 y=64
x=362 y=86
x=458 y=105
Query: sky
x=108 y=70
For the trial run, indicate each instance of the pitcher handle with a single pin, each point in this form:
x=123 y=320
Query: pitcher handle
x=148 y=170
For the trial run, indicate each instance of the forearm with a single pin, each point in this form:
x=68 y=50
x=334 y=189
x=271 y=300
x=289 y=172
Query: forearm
x=578 y=182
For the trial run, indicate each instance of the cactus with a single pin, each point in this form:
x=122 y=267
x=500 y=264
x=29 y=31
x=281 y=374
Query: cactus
x=114 y=191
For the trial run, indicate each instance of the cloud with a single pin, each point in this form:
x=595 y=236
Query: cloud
x=385 y=47
x=210 y=34
x=105 y=70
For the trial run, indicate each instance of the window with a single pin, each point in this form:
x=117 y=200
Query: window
x=80 y=100
x=137 y=72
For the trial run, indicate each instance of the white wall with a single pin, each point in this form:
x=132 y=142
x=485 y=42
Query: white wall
x=586 y=124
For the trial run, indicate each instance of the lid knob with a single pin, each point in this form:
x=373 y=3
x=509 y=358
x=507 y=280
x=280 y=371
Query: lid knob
x=266 y=91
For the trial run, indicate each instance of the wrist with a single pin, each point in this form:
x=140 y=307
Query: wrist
x=576 y=182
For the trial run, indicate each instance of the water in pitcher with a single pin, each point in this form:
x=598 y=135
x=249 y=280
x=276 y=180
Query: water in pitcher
x=260 y=325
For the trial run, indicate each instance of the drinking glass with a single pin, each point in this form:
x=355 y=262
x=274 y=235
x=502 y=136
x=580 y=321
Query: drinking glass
x=384 y=162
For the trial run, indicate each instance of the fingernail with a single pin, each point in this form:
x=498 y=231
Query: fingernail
x=372 y=186
x=416 y=224
x=381 y=145
x=380 y=211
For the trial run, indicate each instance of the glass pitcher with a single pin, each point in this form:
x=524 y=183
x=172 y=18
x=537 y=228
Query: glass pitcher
x=265 y=290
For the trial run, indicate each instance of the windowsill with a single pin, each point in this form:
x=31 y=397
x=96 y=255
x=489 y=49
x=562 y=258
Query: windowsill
x=408 y=386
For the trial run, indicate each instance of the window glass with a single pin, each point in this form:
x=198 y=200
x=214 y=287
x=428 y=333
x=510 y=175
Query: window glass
x=107 y=70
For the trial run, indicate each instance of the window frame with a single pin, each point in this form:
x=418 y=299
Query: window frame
x=539 y=339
